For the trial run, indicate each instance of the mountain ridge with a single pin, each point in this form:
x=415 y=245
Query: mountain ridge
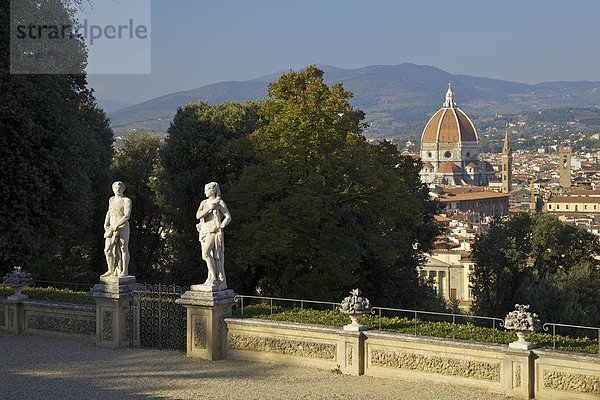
x=395 y=98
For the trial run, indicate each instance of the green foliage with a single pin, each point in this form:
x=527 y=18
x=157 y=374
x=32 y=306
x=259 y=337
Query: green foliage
x=54 y=155
x=136 y=163
x=447 y=330
x=51 y=294
x=538 y=261
x=322 y=210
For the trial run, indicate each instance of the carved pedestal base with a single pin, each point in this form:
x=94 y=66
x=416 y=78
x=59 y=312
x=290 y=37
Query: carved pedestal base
x=355 y=326
x=522 y=343
x=113 y=321
x=206 y=329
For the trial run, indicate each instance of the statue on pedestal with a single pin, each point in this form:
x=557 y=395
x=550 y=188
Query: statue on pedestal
x=214 y=217
x=116 y=233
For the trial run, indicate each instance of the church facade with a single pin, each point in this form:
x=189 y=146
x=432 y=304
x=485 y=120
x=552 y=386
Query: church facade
x=450 y=149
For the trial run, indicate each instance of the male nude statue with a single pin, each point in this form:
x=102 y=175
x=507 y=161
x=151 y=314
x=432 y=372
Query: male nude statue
x=214 y=217
x=116 y=232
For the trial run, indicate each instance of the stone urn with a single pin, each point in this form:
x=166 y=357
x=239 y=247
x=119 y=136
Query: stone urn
x=355 y=306
x=18 y=279
x=522 y=322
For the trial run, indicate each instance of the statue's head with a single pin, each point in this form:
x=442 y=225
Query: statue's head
x=212 y=188
x=118 y=187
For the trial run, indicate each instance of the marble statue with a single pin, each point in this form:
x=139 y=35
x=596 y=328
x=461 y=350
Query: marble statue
x=214 y=217
x=116 y=233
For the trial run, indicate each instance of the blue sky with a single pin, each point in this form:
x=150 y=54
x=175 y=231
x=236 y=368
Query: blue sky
x=198 y=42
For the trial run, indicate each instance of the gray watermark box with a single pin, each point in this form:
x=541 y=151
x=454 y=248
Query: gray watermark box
x=100 y=37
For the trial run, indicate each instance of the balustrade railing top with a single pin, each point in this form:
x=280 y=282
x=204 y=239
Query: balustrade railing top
x=376 y=311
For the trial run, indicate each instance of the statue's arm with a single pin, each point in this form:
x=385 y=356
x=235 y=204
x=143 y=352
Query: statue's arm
x=202 y=211
x=126 y=213
x=226 y=214
x=107 y=218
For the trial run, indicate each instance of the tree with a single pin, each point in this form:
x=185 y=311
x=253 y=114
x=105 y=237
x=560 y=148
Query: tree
x=322 y=210
x=54 y=155
x=539 y=261
x=206 y=143
x=136 y=163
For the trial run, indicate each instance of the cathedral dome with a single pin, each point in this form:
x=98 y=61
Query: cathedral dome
x=449 y=124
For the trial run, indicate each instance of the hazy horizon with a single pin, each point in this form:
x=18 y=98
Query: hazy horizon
x=197 y=43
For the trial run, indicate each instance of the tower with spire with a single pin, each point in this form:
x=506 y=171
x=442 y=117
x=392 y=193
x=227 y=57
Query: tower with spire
x=506 y=165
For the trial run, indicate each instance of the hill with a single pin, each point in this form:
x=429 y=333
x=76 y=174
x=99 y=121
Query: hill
x=397 y=99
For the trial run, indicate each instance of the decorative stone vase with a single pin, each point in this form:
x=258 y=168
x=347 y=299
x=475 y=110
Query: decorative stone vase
x=522 y=322
x=521 y=342
x=18 y=279
x=18 y=295
x=355 y=306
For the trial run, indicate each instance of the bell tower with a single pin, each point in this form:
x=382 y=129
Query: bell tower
x=564 y=167
x=506 y=165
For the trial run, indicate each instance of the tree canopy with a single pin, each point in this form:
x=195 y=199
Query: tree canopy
x=540 y=261
x=316 y=209
x=322 y=210
x=55 y=154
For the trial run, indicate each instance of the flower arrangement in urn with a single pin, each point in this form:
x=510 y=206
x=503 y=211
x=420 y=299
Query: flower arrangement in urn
x=522 y=321
x=17 y=280
x=355 y=306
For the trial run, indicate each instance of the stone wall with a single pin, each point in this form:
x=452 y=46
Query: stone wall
x=524 y=374
x=495 y=367
x=561 y=375
x=294 y=344
x=42 y=317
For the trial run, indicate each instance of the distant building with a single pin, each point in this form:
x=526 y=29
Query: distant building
x=482 y=203
x=450 y=149
x=579 y=206
x=576 y=201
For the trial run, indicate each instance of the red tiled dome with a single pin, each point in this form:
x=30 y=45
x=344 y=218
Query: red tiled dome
x=449 y=125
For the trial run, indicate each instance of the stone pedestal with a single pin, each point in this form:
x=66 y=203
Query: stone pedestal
x=522 y=343
x=14 y=316
x=113 y=319
x=206 y=328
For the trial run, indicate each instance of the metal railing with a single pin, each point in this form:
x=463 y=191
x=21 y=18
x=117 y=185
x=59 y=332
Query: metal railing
x=240 y=299
x=495 y=322
x=547 y=325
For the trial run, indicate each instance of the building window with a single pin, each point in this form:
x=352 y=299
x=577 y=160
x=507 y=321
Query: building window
x=549 y=206
x=429 y=155
x=447 y=154
x=468 y=154
x=453 y=293
x=567 y=206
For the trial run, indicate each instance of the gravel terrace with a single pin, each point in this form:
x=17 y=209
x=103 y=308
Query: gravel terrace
x=35 y=367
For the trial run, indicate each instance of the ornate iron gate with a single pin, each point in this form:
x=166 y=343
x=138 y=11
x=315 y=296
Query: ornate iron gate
x=158 y=320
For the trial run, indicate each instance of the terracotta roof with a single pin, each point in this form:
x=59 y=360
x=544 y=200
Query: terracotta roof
x=573 y=199
x=442 y=218
x=449 y=168
x=427 y=164
x=583 y=192
x=449 y=125
x=473 y=196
